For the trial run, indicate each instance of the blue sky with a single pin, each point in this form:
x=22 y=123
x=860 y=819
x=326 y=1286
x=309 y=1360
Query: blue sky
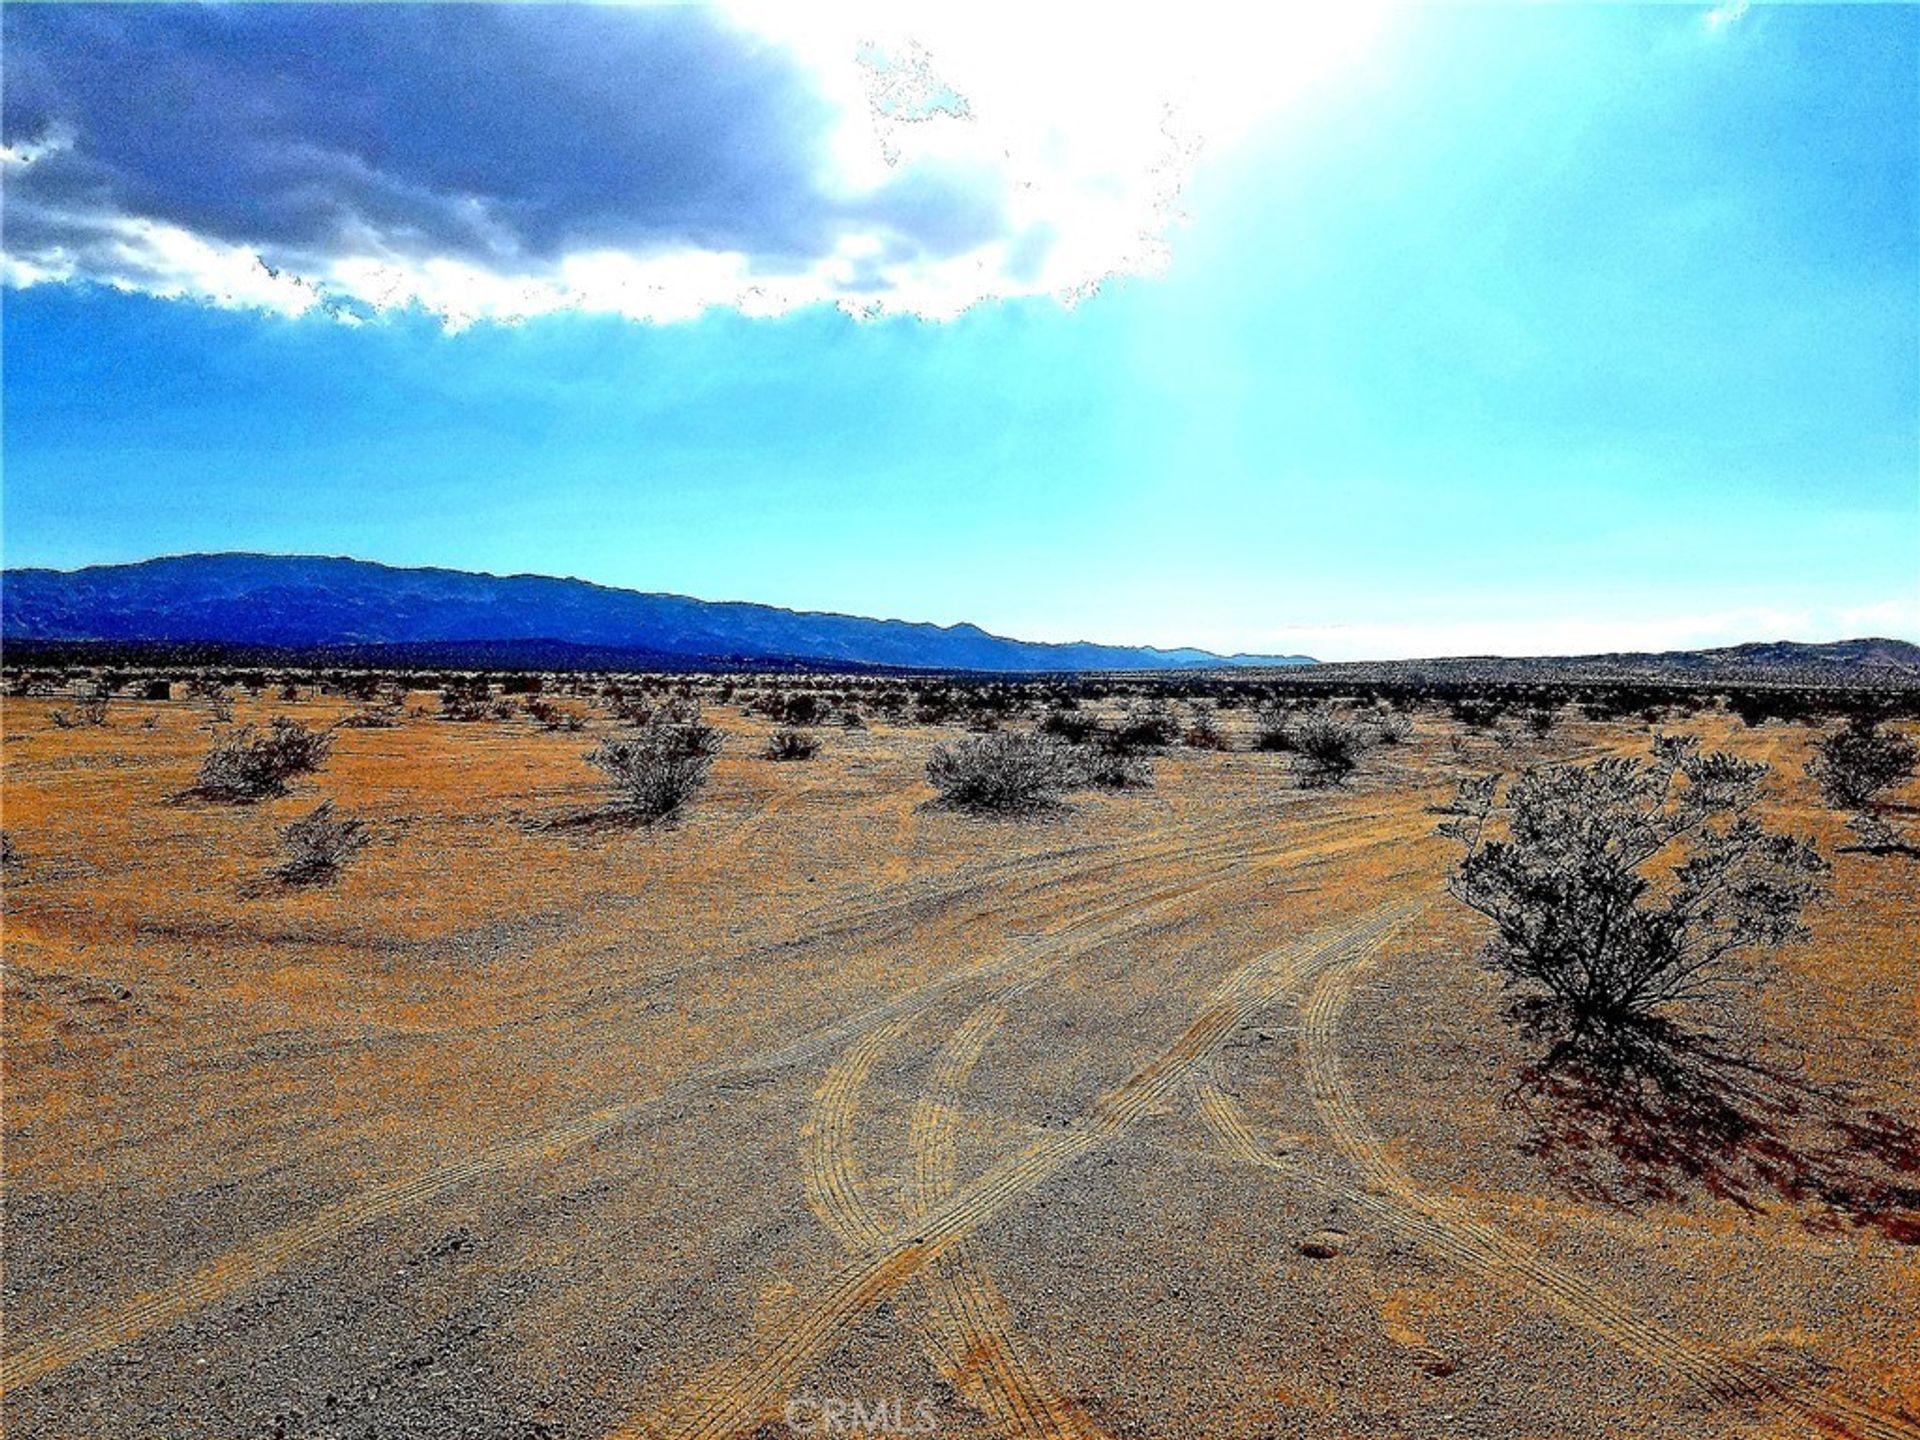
x=1440 y=331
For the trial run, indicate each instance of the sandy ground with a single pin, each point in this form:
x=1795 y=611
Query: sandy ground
x=1184 y=1113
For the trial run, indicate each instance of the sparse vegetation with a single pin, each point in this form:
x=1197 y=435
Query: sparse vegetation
x=1005 y=773
x=318 y=844
x=657 y=767
x=89 y=711
x=1620 y=891
x=1203 y=732
x=1327 y=746
x=792 y=745
x=251 y=764
x=1855 y=767
x=1104 y=768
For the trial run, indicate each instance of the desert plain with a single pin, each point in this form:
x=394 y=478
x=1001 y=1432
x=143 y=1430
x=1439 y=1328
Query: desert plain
x=1184 y=1111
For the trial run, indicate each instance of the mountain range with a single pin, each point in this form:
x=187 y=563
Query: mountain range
x=375 y=613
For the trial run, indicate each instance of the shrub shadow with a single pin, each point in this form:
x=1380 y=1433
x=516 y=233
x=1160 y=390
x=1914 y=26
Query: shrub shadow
x=1670 y=1113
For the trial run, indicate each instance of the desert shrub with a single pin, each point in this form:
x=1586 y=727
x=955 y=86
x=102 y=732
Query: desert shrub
x=1071 y=726
x=10 y=856
x=318 y=844
x=89 y=710
x=157 y=690
x=1855 y=766
x=382 y=711
x=653 y=767
x=1104 y=768
x=251 y=764
x=681 y=726
x=792 y=745
x=1274 y=731
x=550 y=716
x=1004 y=773
x=1392 y=727
x=1204 y=732
x=1620 y=891
x=1327 y=746
x=212 y=698
x=801 y=709
x=1540 y=720
x=1142 y=729
x=464 y=700
x=1476 y=713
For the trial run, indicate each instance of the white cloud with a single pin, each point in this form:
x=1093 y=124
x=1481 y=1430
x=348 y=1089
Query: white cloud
x=885 y=161
x=1721 y=16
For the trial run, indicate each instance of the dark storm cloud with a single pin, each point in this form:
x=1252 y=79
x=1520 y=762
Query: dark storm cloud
x=504 y=137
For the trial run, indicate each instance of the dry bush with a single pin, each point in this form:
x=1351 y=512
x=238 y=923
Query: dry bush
x=550 y=716
x=251 y=764
x=1274 y=731
x=1620 y=890
x=1072 y=726
x=1143 y=729
x=318 y=844
x=655 y=767
x=1392 y=727
x=212 y=697
x=792 y=745
x=1006 y=773
x=1327 y=746
x=89 y=710
x=1855 y=767
x=1102 y=768
x=1204 y=732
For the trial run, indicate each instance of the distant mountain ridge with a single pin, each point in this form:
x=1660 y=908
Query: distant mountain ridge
x=290 y=602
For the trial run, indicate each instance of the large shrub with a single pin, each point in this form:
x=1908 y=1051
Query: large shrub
x=657 y=769
x=1622 y=891
x=1007 y=772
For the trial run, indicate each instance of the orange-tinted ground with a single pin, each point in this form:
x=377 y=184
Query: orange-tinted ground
x=1184 y=1113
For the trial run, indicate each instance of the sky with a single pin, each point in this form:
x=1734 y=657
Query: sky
x=1363 y=332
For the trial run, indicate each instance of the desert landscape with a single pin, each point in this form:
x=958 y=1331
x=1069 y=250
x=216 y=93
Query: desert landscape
x=1180 y=1107
x=747 y=721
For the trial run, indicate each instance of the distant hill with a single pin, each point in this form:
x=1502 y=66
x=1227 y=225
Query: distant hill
x=1875 y=661
x=307 y=602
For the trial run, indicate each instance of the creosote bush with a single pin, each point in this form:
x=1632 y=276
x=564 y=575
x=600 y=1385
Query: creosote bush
x=1104 y=768
x=318 y=844
x=1327 y=746
x=792 y=745
x=1204 y=733
x=1621 y=891
x=1007 y=773
x=1855 y=766
x=657 y=767
x=251 y=764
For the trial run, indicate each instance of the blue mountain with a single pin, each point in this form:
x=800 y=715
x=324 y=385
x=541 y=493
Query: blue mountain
x=311 y=602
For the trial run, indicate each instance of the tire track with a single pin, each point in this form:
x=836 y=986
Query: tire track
x=739 y=1394
x=966 y=1306
x=1449 y=1228
x=119 y=1322
x=965 y=1321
